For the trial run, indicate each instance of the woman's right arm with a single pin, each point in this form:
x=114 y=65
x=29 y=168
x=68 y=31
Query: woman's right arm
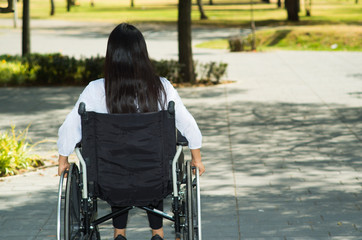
x=187 y=125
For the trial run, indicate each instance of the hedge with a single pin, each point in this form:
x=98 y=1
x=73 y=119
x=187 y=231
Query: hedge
x=59 y=70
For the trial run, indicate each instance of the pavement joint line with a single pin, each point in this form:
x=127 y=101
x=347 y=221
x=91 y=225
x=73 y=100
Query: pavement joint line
x=232 y=158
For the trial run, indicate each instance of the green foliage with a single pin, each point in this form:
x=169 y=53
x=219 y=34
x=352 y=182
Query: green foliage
x=211 y=72
x=13 y=72
x=15 y=152
x=93 y=68
x=48 y=70
x=56 y=69
x=53 y=68
x=169 y=69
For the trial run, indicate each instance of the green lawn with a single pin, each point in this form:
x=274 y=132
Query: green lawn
x=222 y=13
x=332 y=21
x=315 y=38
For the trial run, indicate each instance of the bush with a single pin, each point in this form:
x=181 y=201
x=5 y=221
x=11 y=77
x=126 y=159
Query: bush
x=169 y=69
x=15 y=152
x=236 y=44
x=13 y=73
x=56 y=69
x=93 y=68
x=211 y=72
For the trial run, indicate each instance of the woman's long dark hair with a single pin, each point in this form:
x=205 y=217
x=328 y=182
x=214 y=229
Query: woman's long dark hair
x=131 y=84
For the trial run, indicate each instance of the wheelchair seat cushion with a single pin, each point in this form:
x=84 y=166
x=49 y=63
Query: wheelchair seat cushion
x=129 y=156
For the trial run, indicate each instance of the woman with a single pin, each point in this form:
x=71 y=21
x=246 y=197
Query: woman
x=130 y=85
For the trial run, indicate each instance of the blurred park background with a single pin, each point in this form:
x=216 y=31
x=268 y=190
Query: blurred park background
x=282 y=142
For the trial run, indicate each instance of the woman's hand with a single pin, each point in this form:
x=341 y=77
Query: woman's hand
x=63 y=164
x=196 y=160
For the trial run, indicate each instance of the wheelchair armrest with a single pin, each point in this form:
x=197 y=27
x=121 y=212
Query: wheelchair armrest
x=181 y=140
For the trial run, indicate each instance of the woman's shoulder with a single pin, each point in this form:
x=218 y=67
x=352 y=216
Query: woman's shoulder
x=96 y=83
x=166 y=83
x=95 y=86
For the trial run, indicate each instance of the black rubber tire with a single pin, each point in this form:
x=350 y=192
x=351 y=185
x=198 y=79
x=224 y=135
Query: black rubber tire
x=72 y=208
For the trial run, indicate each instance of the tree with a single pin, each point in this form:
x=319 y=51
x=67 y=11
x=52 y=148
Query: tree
x=279 y=3
x=308 y=7
x=184 y=41
x=210 y=2
x=132 y=3
x=266 y=1
x=26 y=28
x=69 y=4
x=52 y=8
x=292 y=7
x=201 y=9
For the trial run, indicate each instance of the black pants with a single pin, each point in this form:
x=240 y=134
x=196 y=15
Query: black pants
x=154 y=220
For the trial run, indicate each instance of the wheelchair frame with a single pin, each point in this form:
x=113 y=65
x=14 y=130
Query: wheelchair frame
x=186 y=204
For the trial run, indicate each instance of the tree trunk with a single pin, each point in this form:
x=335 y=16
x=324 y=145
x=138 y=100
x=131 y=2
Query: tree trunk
x=266 y=1
x=279 y=3
x=184 y=41
x=132 y=3
x=52 y=8
x=210 y=2
x=69 y=3
x=298 y=4
x=201 y=9
x=26 y=28
x=292 y=10
x=308 y=8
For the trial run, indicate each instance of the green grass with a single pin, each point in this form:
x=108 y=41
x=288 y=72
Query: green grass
x=214 y=44
x=15 y=152
x=320 y=38
x=228 y=13
x=223 y=13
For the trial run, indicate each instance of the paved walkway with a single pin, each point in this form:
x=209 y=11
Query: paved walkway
x=282 y=145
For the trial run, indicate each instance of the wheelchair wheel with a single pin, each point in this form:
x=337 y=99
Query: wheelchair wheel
x=72 y=208
x=192 y=228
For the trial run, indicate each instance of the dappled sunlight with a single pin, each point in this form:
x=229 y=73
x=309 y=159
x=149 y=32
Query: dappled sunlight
x=295 y=162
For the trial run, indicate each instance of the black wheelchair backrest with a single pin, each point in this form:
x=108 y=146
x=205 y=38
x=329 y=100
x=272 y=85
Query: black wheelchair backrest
x=129 y=156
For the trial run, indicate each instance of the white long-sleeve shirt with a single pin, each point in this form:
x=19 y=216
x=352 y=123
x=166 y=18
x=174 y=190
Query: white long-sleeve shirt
x=93 y=96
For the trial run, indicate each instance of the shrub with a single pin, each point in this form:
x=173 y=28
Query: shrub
x=13 y=72
x=169 y=69
x=92 y=68
x=211 y=72
x=15 y=152
x=56 y=69
x=236 y=44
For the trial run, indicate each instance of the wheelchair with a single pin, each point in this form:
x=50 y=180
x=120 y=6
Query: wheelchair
x=128 y=160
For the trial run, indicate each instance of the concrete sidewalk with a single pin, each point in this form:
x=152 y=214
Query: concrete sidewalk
x=282 y=148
